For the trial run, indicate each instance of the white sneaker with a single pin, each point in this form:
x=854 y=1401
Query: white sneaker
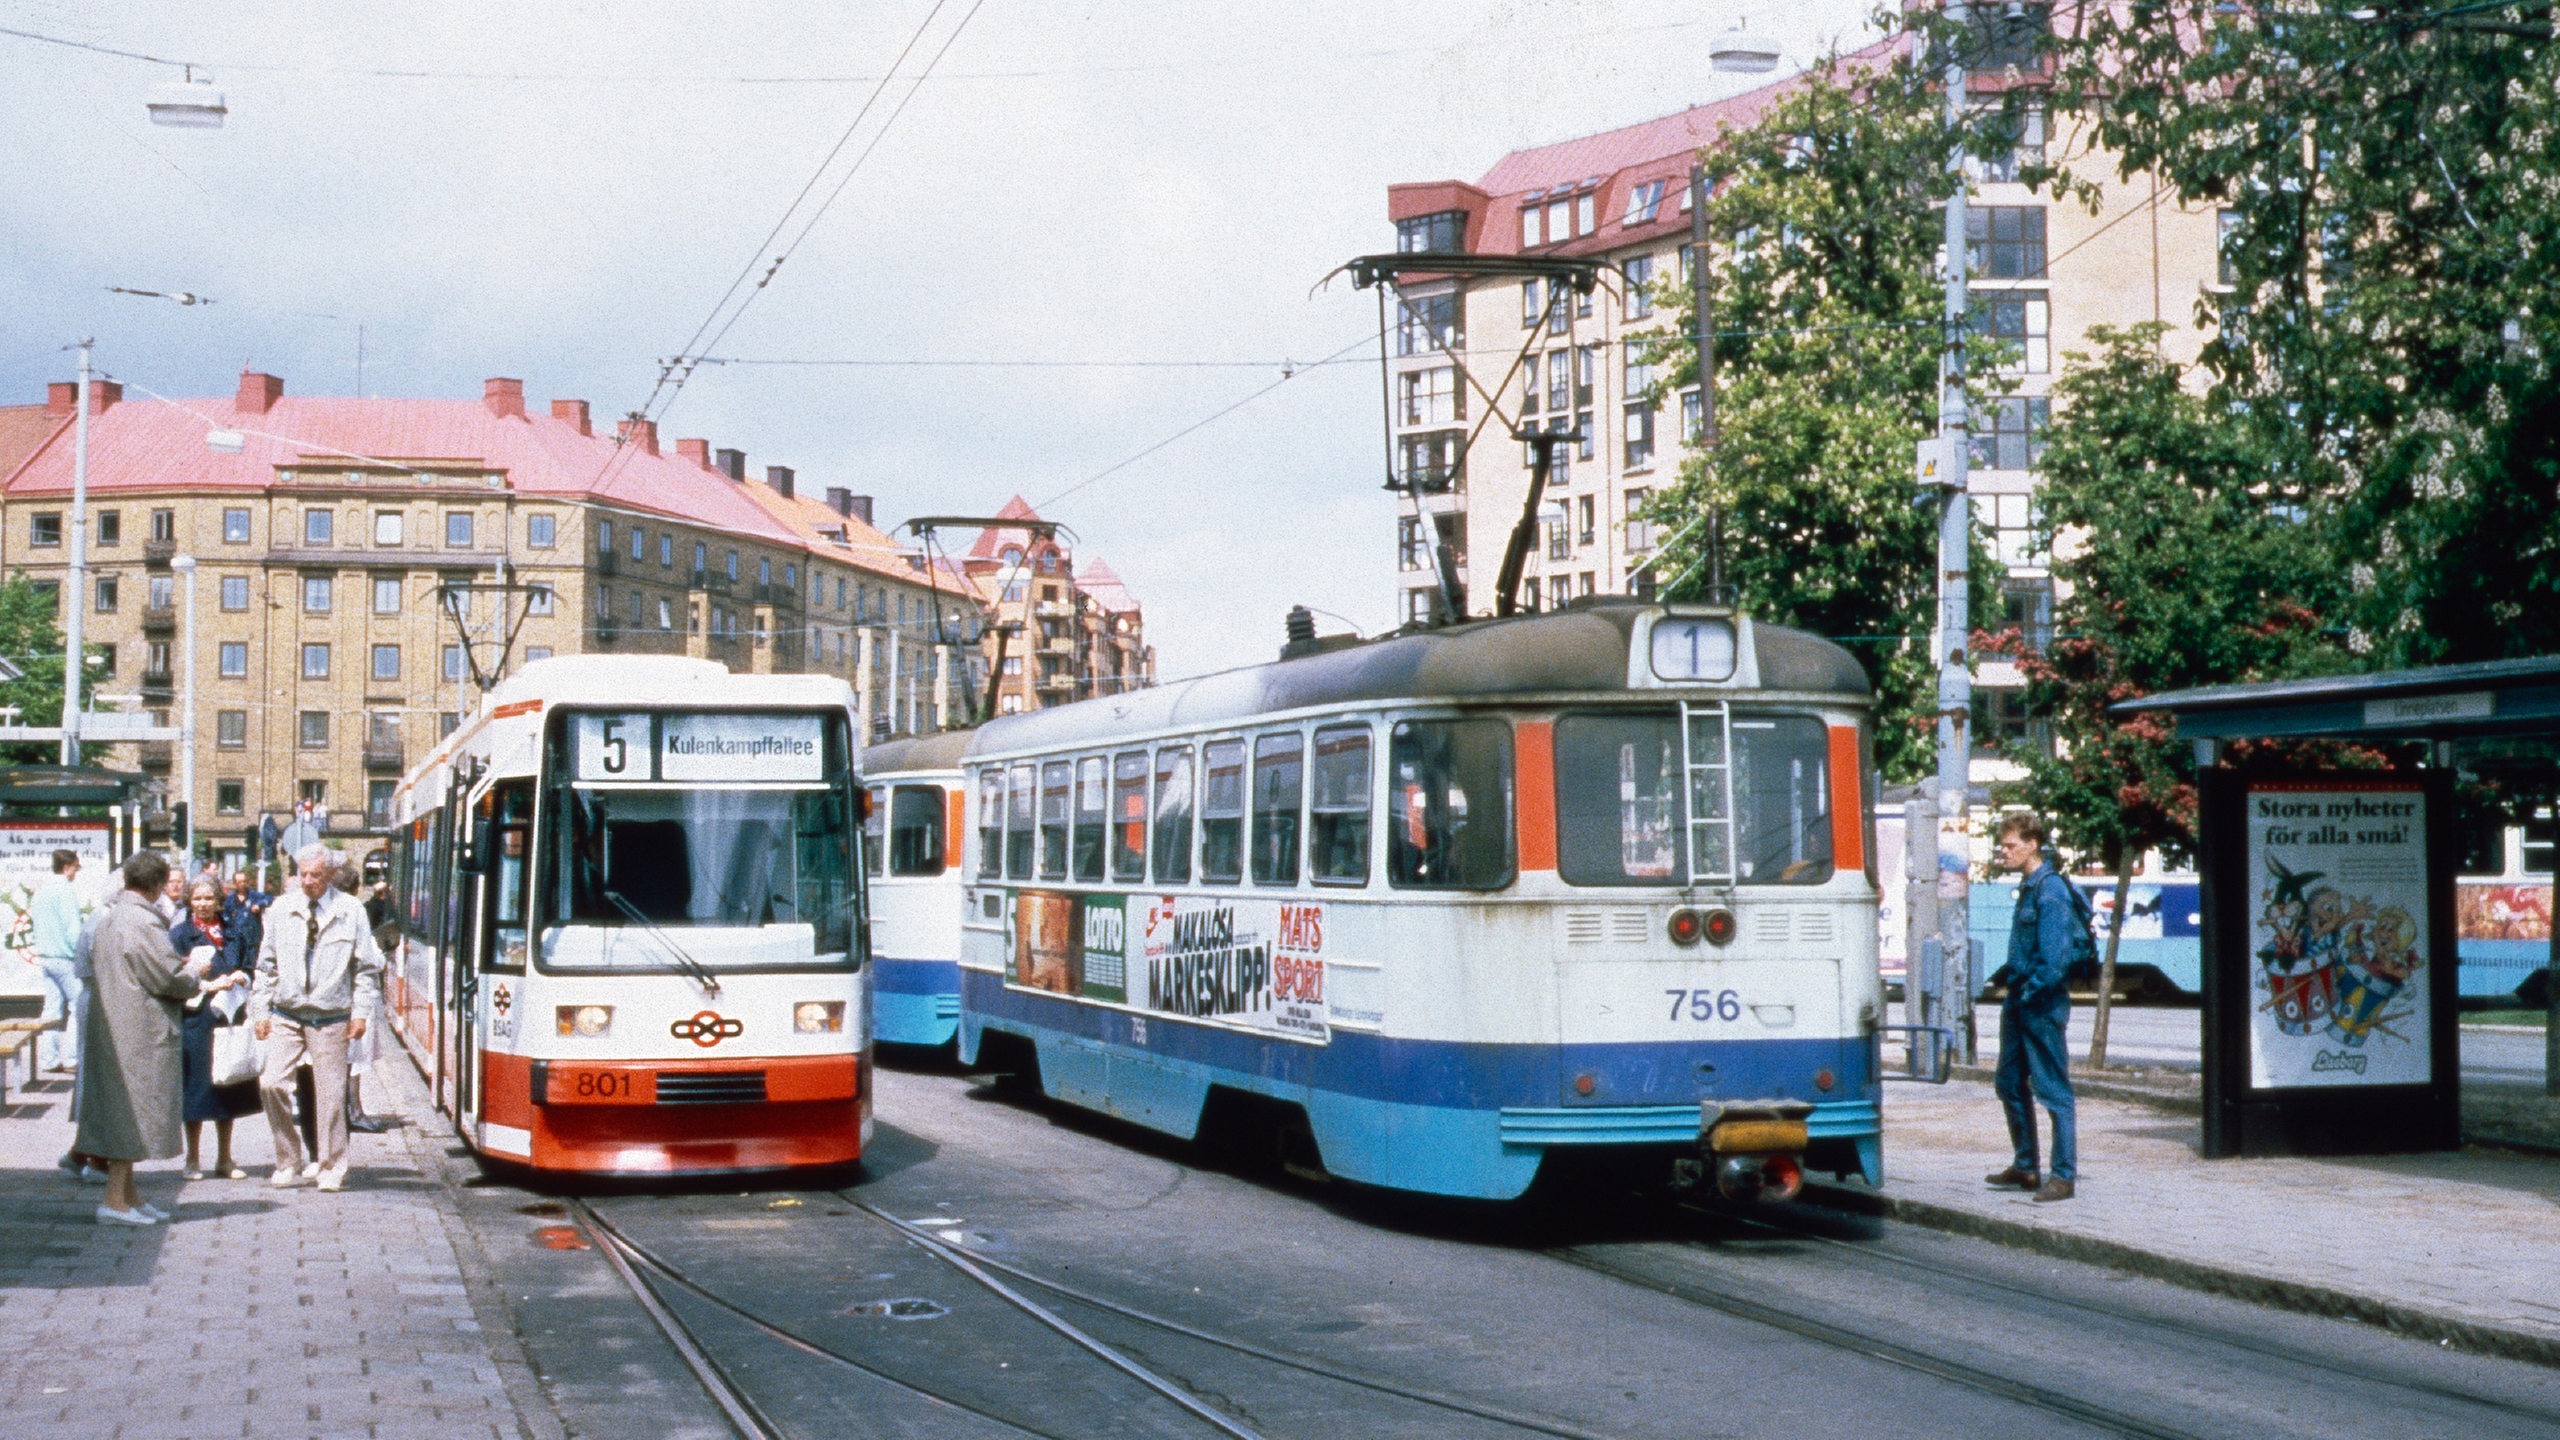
x=311 y=1171
x=92 y=1175
x=154 y=1211
x=107 y=1216
x=333 y=1181
x=285 y=1178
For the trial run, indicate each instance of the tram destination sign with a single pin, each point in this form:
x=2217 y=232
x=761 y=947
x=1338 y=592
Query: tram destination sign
x=698 y=747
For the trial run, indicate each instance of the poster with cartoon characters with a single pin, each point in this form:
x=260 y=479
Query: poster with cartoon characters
x=2339 y=935
x=26 y=862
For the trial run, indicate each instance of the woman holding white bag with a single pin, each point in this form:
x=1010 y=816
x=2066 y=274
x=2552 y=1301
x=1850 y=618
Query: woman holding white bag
x=220 y=1068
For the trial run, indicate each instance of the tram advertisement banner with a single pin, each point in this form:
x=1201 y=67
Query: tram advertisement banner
x=1252 y=964
x=2339 y=933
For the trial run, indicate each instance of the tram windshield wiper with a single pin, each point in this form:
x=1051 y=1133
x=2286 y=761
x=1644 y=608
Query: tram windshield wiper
x=699 y=973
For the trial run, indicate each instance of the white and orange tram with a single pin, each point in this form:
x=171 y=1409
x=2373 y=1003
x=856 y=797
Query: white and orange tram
x=632 y=910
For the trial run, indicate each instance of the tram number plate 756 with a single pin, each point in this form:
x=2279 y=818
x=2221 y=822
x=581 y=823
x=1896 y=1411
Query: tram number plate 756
x=1705 y=1004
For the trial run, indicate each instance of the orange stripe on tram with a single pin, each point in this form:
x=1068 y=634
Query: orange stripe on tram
x=952 y=835
x=1537 y=794
x=1848 y=789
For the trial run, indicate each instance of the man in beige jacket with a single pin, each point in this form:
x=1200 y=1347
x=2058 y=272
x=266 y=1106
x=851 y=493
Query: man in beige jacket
x=319 y=976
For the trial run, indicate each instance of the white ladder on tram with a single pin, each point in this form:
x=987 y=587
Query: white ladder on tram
x=1706 y=760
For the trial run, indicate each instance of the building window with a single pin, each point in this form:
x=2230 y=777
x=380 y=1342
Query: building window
x=315 y=662
x=232 y=660
x=314 y=793
x=639 y=609
x=44 y=529
x=164 y=526
x=699 y=561
x=318 y=526
x=1638 y=378
x=2014 y=440
x=639 y=543
x=457 y=529
x=1559 y=539
x=447 y=722
x=538 y=600
x=2020 y=317
x=235 y=592
x=2002 y=723
x=666 y=551
x=387 y=526
x=1559 y=219
x=1530 y=235
x=50 y=591
x=1413 y=544
x=386 y=595
x=1559 y=379
x=1639 y=273
x=105 y=662
x=541 y=531
x=317 y=591
x=162 y=592
x=386 y=662
x=2226 y=231
x=536 y=652
x=1586 y=208
x=1639 y=430
x=1426 y=463
x=1430 y=397
x=110 y=529
x=1644 y=202
x=315 y=731
x=666 y=614
x=456 y=597
x=235 y=527
x=231 y=730
x=1429 y=324
x=229 y=797
x=2018 y=535
x=377 y=803
x=1442 y=232
x=764 y=570
x=2005 y=242
x=453 y=662
x=1639 y=528
x=1586 y=511
x=155 y=662
x=2008 y=154
x=733 y=566
x=106 y=602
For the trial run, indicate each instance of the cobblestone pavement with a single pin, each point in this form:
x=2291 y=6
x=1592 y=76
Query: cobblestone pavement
x=2461 y=1244
x=256 y=1312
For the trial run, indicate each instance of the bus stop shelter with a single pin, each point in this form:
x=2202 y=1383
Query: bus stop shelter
x=2498 y=718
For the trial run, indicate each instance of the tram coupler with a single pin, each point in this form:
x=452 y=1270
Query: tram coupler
x=1751 y=1147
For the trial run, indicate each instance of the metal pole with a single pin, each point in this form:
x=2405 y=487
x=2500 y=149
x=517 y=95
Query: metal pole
x=72 y=672
x=185 y=565
x=1701 y=281
x=1955 y=541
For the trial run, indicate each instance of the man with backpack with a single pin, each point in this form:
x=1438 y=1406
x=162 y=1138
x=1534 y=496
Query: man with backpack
x=2048 y=939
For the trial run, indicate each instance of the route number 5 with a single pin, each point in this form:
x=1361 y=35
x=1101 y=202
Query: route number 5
x=617 y=753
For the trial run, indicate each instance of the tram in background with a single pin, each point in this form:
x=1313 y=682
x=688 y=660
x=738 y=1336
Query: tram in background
x=913 y=838
x=1433 y=911
x=633 y=938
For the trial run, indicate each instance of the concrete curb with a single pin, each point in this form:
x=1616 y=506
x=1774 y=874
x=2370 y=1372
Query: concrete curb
x=2268 y=1290
x=2175 y=1102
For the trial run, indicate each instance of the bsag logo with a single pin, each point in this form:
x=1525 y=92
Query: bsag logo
x=707 y=1029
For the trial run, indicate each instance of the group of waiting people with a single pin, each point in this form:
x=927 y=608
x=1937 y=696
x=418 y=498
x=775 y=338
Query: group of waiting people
x=154 y=961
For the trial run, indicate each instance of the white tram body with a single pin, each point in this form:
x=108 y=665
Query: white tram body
x=631 y=905
x=913 y=838
x=1454 y=902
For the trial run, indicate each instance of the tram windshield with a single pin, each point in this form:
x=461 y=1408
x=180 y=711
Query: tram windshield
x=725 y=823
x=1618 y=811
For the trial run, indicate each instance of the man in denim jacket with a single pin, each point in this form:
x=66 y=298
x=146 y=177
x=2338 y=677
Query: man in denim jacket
x=2035 y=1013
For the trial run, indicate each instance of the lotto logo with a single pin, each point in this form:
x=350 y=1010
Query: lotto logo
x=707 y=1029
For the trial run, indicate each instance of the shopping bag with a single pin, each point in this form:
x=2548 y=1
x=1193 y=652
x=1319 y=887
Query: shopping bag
x=237 y=1056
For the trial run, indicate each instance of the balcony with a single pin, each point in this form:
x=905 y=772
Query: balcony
x=713 y=582
x=159 y=619
x=777 y=595
x=158 y=553
x=389 y=755
x=1053 y=610
x=156 y=684
x=158 y=755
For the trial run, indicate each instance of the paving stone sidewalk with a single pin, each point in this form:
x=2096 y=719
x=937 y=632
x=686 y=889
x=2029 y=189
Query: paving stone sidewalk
x=2461 y=1246
x=256 y=1312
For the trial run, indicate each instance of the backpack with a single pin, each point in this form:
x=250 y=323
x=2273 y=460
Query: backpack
x=2083 y=968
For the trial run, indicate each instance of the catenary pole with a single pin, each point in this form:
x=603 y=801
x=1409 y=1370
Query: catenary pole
x=1955 y=544
x=1701 y=282
x=72 y=673
x=185 y=565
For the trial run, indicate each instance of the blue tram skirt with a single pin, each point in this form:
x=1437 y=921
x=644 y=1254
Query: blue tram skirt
x=915 y=1002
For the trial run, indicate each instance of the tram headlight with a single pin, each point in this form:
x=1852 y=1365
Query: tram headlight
x=818 y=1017
x=585 y=1022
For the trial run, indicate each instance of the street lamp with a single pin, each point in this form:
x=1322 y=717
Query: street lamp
x=1739 y=52
x=71 y=648
x=189 y=104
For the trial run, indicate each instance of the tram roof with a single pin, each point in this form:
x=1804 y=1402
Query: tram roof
x=1583 y=649
x=655 y=680
x=917 y=753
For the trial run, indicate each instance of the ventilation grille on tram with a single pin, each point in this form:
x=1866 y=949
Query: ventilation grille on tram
x=729 y=1087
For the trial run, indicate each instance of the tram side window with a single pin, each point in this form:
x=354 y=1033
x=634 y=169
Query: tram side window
x=871 y=821
x=1129 y=816
x=1449 y=805
x=1222 y=812
x=991 y=824
x=1054 y=778
x=1017 y=824
x=1338 y=822
x=1093 y=813
x=1279 y=790
x=510 y=875
x=1173 y=815
x=1781 y=800
x=915 y=830
x=1618 y=800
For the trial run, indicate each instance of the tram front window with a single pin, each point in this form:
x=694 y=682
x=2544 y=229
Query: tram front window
x=1618 y=814
x=674 y=859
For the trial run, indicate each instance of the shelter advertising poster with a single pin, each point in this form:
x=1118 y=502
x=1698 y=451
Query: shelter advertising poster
x=2339 y=935
x=26 y=862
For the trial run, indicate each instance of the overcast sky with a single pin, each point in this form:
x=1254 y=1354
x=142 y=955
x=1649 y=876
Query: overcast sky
x=566 y=193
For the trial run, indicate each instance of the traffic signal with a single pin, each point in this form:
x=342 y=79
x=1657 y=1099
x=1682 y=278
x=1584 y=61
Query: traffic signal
x=182 y=837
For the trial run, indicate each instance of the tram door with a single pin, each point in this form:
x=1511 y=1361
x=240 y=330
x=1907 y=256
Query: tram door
x=461 y=928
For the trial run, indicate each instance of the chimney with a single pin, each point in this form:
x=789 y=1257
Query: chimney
x=258 y=393
x=63 y=396
x=697 y=451
x=840 y=500
x=858 y=506
x=779 y=477
x=574 y=412
x=732 y=463
x=503 y=397
x=643 y=433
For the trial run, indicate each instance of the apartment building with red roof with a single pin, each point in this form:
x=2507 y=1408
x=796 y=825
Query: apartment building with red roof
x=2042 y=275
x=1059 y=634
x=366 y=567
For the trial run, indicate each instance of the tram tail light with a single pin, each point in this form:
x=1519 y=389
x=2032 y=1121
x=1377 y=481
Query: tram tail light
x=1721 y=927
x=1686 y=927
x=585 y=1022
x=818 y=1017
x=1781 y=1177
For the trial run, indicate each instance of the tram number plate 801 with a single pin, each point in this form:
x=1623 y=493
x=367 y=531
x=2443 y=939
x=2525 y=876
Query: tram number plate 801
x=580 y=1086
x=1705 y=1004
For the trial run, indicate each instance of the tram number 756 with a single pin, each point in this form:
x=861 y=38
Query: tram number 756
x=1706 y=1004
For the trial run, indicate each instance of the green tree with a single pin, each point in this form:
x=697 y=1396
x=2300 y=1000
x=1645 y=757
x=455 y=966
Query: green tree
x=2389 y=181
x=32 y=643
x=2174 y=570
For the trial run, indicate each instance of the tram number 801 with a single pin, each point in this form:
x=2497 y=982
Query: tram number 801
x=601 y=1084
x=1706 y=1004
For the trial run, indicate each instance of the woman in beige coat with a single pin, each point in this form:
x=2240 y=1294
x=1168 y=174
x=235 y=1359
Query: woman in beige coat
x=131 y=1095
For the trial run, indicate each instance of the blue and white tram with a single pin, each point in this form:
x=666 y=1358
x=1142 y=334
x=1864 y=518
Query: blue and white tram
x=1449 y=905
x=915 y=831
